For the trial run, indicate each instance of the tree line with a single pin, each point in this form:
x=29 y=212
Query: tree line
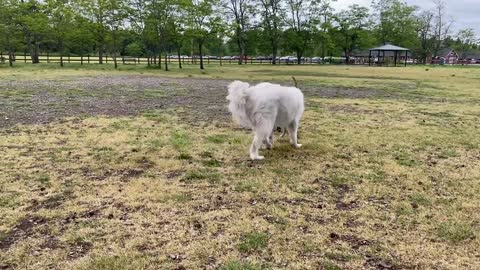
x=157 y=28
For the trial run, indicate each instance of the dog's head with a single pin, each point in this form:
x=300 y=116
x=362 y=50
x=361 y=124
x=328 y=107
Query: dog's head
x=237 y=87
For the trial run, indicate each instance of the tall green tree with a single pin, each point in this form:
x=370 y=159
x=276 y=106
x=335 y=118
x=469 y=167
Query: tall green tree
x=96 y=11
x=301 y=19
x=9 y=29
x=33 y=20
x=241 y=13
x=326 y=24
x=116 y=14
x=202 y=22
x=271 y=22
x=61 y=18
x=351 y=29
x=395 y=23
x=425 y=35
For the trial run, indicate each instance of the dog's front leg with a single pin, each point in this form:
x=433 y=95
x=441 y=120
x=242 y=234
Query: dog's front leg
x=256 y=143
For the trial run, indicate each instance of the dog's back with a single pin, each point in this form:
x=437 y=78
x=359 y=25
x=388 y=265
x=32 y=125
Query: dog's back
x=284 y=104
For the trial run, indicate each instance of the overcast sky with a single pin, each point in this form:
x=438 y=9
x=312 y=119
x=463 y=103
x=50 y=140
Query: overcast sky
x=465 y=13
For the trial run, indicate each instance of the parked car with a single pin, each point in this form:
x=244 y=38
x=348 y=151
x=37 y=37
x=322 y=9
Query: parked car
x=226 y=57
x=288 y=59
x=236 y=57
x=316 y=60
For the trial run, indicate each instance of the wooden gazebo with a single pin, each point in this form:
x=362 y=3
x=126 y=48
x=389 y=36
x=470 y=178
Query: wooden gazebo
x=380 y=51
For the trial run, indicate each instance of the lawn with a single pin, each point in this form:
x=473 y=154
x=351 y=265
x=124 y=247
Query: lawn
x=140 y=168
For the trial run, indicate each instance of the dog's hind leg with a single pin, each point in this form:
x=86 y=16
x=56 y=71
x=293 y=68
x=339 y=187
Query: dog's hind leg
x=292 y=131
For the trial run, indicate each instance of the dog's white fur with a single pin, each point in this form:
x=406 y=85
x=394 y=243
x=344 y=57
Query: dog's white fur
x=264 y=107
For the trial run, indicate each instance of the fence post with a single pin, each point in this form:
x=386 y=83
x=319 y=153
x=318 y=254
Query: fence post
x=25 y=57
x=123 y=59
x=48 y=57
x=81 y=59
x=88 y=58
x=69 y=58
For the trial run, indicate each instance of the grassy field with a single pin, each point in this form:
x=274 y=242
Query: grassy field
x=388 y=176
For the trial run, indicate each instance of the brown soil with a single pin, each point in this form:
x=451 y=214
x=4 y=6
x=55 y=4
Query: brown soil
x=44 y=101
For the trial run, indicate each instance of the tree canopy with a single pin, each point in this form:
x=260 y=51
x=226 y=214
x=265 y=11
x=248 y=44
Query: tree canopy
x=271 y=28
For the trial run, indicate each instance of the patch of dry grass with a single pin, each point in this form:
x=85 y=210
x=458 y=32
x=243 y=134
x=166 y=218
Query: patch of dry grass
x=379 y=184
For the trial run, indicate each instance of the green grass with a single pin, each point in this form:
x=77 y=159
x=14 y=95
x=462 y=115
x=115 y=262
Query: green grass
x=455 y=231
x=255 y=241
x=388 y=176
x=237 y=265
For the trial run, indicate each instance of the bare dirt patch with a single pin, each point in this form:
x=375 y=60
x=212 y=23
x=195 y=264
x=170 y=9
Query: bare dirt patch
x=25 y=228
x=44 y=101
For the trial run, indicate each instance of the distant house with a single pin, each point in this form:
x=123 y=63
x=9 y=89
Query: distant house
x=447 y=56
x=472 y=57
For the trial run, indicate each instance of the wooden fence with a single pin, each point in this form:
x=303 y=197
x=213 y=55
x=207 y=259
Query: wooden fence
x=94 y=59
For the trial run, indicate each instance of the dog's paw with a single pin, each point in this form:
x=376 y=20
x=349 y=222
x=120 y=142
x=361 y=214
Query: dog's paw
x=297 y=146
x=257 y=157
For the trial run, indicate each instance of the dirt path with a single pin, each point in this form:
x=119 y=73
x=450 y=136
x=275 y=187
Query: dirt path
x=44 y=101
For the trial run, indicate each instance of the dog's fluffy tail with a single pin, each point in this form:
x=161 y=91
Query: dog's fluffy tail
x=237 y=95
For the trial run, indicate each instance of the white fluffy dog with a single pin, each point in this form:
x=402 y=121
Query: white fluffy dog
x=264 y=107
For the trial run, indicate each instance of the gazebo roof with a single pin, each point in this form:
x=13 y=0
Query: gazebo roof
x=389 y=47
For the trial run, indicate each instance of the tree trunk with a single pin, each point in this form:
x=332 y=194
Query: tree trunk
x=60 y=49
x=166 y=61
x=35 y=50
x=160 y=60
x=201 y=56
x=274 y=53
x=114 y=50
x=179 y=58
x=100 y=54
x=241 y=48
x=10 y=56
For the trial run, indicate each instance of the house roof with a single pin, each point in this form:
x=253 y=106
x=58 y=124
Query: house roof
x=365 y=53
x=444 y=52
x=389 y=47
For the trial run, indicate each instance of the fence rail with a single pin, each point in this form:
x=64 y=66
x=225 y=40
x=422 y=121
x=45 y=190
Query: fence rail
x=94 y=59
x=126 y=60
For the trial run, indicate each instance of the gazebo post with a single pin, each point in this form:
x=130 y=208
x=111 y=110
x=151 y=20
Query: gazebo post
x=395 y=58
x=406 y=55
x=369 y=57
